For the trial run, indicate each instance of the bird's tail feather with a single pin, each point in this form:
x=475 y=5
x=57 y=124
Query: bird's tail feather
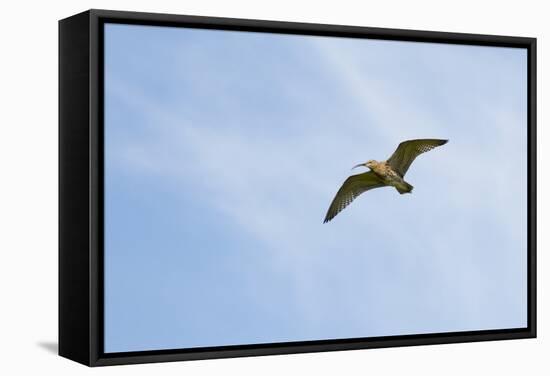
x=404 y=188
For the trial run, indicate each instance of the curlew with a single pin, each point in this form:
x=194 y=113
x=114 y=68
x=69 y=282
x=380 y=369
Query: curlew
x=388 y=173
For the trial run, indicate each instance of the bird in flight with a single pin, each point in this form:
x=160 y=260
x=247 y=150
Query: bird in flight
x=388 y=173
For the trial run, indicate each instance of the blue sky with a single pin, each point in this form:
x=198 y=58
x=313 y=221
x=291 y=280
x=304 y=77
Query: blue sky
x=223 y=151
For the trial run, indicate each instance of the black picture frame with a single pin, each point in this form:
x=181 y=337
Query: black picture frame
x=81 y=182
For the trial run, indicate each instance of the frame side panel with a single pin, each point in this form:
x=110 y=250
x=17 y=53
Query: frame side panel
x=532 y=184
x=74 y=160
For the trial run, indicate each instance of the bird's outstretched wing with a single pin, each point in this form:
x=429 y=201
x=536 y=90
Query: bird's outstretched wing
x=407 y=151
x=352 y=187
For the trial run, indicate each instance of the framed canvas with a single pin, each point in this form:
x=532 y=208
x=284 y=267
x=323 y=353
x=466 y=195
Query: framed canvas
x=208 y=210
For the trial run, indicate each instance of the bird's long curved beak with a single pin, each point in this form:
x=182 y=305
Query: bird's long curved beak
x=359 y=165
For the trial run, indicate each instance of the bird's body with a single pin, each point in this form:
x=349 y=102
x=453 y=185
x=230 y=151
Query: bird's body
x=389 y=177
x=382 y=174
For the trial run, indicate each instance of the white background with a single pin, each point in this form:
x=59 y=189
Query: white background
x=28 y=206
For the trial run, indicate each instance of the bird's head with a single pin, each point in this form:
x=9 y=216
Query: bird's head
x=370 y=164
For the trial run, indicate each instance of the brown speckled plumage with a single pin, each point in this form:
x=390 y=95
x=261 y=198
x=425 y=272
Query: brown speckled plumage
x=382 y=174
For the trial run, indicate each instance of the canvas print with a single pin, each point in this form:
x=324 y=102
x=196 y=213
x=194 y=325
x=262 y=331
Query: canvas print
x=232 y=215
